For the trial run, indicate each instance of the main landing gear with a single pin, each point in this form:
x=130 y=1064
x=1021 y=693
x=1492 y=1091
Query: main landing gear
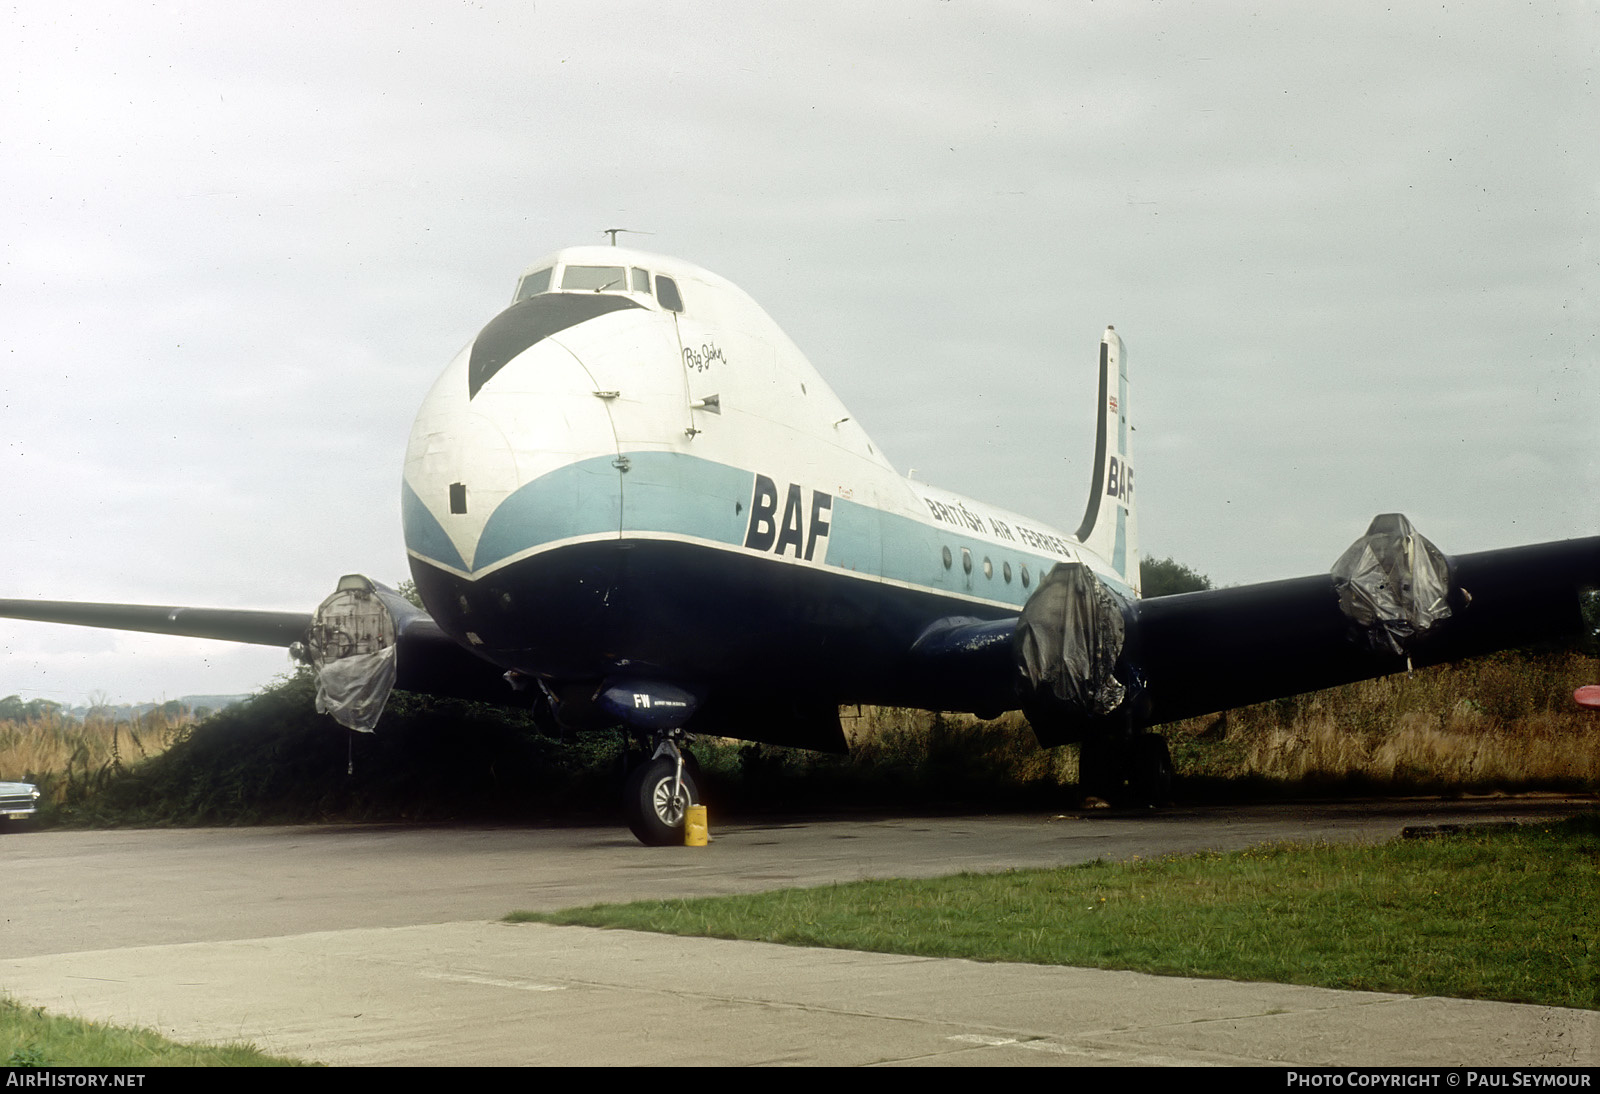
x=656 y=794
x=1126 y=771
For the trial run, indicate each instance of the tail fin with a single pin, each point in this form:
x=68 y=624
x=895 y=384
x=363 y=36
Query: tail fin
x=1109 y=528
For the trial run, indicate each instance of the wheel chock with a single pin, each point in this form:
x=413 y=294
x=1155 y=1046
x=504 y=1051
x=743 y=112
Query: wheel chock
x=695 y=833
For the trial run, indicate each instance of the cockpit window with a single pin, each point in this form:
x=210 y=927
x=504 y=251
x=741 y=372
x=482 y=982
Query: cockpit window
x=667 y=293
x=641 y=279
x=534 y=284
x=595 y=278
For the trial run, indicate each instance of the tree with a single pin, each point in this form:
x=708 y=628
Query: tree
x=13 y=709
x=1165 y=576
x=408 y=589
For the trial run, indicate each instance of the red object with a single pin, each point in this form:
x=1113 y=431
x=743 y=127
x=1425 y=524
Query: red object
x=1588 y=696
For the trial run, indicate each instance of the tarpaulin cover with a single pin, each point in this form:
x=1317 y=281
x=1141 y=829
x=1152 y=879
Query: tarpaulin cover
x=1393 y=585
x=1069 y=638
x=354 y=689
x=352 y=644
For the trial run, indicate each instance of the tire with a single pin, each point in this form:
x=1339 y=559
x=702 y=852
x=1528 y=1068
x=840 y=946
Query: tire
x=653 y=814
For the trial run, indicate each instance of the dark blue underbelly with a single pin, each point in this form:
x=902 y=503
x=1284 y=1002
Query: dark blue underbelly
x=704 y=619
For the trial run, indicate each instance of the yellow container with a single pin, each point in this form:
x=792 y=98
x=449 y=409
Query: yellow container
x=695 y=833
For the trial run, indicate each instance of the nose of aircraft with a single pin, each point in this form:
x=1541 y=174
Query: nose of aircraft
x=490 y=473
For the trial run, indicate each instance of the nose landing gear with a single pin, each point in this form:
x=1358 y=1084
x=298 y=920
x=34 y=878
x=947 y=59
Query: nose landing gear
x=657 y=794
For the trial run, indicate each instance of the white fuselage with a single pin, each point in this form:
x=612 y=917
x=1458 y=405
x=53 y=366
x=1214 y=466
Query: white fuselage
x=700 y=426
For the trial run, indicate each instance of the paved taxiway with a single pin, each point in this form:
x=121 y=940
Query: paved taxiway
x=379 y=945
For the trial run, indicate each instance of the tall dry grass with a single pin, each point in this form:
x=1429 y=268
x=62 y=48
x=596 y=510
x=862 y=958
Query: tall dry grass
x=67 y=758
x=1505 y=721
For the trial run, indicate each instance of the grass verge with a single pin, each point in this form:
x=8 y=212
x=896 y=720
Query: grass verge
x=1504 y=912
x=29 y=1037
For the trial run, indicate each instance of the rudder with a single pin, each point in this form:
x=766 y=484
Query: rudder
x=1109 y=528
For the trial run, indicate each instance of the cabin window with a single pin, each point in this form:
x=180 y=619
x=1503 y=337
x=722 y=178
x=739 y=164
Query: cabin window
x=1024 y=577
x=594 y=278
x=1005 y=572
x=667 y=293
x=947 y=559
x=966 y=561
x=641 y=279
x=988 y=569
x=534 y=284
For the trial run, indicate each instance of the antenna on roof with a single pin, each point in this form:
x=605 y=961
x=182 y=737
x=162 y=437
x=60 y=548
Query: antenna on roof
x=612 y=232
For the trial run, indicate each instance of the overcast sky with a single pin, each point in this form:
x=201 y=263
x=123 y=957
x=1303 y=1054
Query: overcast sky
x=1352 y=251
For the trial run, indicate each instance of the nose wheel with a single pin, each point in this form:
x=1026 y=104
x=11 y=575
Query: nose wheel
x=657 y=794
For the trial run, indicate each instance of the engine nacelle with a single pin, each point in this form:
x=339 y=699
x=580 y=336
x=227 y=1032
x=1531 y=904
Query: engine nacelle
x=1394 y=587
x=1069 y=648
x=352 y=645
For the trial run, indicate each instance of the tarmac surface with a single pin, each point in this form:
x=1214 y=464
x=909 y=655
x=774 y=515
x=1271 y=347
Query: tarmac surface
x=381 y=945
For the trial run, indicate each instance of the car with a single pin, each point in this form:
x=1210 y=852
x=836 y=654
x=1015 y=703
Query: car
x=18 y=803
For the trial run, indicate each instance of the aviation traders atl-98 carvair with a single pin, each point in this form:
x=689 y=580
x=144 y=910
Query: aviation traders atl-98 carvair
x=632 y=500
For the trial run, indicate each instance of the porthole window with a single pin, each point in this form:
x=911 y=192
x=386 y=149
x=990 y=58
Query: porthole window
x=1024 y=577
x=1005 y=572
x=988 y=569
x=947 y=558
x=966 y=560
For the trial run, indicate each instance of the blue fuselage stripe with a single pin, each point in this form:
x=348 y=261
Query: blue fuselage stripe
x=668 y=494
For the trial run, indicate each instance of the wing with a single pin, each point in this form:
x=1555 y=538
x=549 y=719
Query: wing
x=1215 y=650
x=227 y=624
x=1081 y=661
x=425 y=659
